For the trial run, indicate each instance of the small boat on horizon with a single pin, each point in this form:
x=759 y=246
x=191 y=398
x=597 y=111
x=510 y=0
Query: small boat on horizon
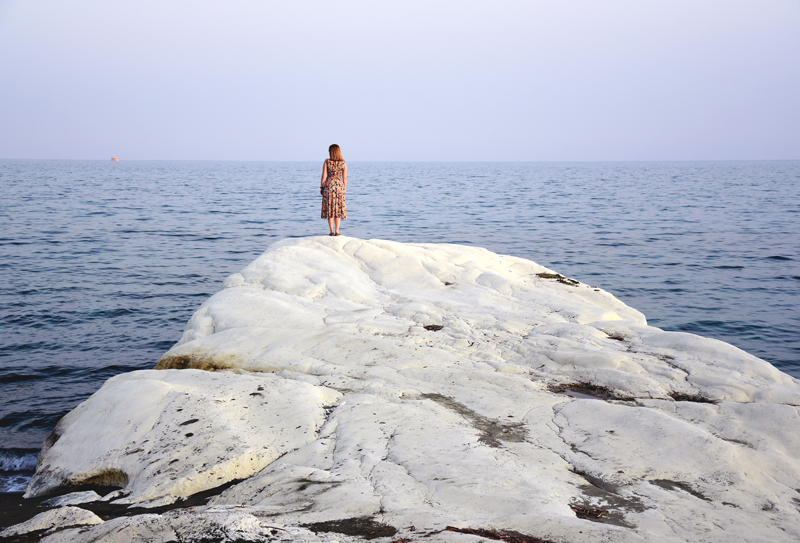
x=114 y=159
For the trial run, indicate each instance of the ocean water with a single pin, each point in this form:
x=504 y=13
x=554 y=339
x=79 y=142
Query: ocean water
x=102 y=263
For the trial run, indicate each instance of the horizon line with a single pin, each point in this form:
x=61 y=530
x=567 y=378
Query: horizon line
x=409 y=161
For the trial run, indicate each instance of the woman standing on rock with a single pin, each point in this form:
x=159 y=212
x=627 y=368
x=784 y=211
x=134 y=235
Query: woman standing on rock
x=333 y=187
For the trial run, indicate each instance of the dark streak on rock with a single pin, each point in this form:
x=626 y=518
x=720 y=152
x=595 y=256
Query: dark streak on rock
x=188 y=422
x=586 y=513
x=51 y=439
x=560 y=278
x=681 y=397
x=107 y=478
x=193 y=361
x=509 y=536
x=598 y=483
x=304 y=484
x=359 y=527
x=599 y=392
x=433 y=327
x=666 y=484
x=600 y=495
x=492 y=432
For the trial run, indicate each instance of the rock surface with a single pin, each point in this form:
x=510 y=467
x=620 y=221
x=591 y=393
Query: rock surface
x=62 y=517
x=74 y=498
x=169 y=434
x=217 y=525
x=426 y=386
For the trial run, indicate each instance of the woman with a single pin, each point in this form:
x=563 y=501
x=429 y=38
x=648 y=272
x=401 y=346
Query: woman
x=333 y=187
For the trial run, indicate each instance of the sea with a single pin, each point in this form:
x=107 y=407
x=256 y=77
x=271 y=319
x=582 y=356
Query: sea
x=102 y=263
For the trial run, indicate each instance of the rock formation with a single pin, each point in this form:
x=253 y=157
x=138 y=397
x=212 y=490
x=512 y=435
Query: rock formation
x=343 y=389
x=62 y=517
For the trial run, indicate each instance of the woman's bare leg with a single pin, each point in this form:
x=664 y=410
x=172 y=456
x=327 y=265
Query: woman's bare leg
x=330 y=225
x=338 y=220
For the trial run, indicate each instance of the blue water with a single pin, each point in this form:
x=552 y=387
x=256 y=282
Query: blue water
x=102 y=263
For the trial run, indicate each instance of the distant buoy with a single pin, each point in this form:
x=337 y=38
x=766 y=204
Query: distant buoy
x=114 y=159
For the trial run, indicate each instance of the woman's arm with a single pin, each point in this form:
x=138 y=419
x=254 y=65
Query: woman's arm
x=344 y=177
x=324 y=175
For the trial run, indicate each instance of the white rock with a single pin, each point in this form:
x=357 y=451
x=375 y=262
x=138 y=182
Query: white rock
x=162 y=433
x=218 y=524
x=169 y=499
x=113 y=495
x=61 y=517
x=459 y=426
x=322 y=307
x=74 y=498
x=150 y=528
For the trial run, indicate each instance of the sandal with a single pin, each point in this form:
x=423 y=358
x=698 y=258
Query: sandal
x=336 y=234
x=331 y=234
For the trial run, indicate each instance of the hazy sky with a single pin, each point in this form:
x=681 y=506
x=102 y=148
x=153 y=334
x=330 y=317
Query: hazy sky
x=404 y=80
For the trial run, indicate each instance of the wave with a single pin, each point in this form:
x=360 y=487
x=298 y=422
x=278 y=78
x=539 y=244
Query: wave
x=16 y=469
x=18 y=460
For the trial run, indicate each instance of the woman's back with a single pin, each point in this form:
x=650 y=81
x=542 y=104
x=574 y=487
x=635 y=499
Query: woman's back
x=333 y=187
x=334 y=168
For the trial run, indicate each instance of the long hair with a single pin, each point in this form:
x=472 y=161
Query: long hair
x=335 y=152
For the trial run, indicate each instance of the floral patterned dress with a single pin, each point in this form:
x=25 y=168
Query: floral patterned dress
x=333 y=204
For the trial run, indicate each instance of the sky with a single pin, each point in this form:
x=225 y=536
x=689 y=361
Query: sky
x=431 y=80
